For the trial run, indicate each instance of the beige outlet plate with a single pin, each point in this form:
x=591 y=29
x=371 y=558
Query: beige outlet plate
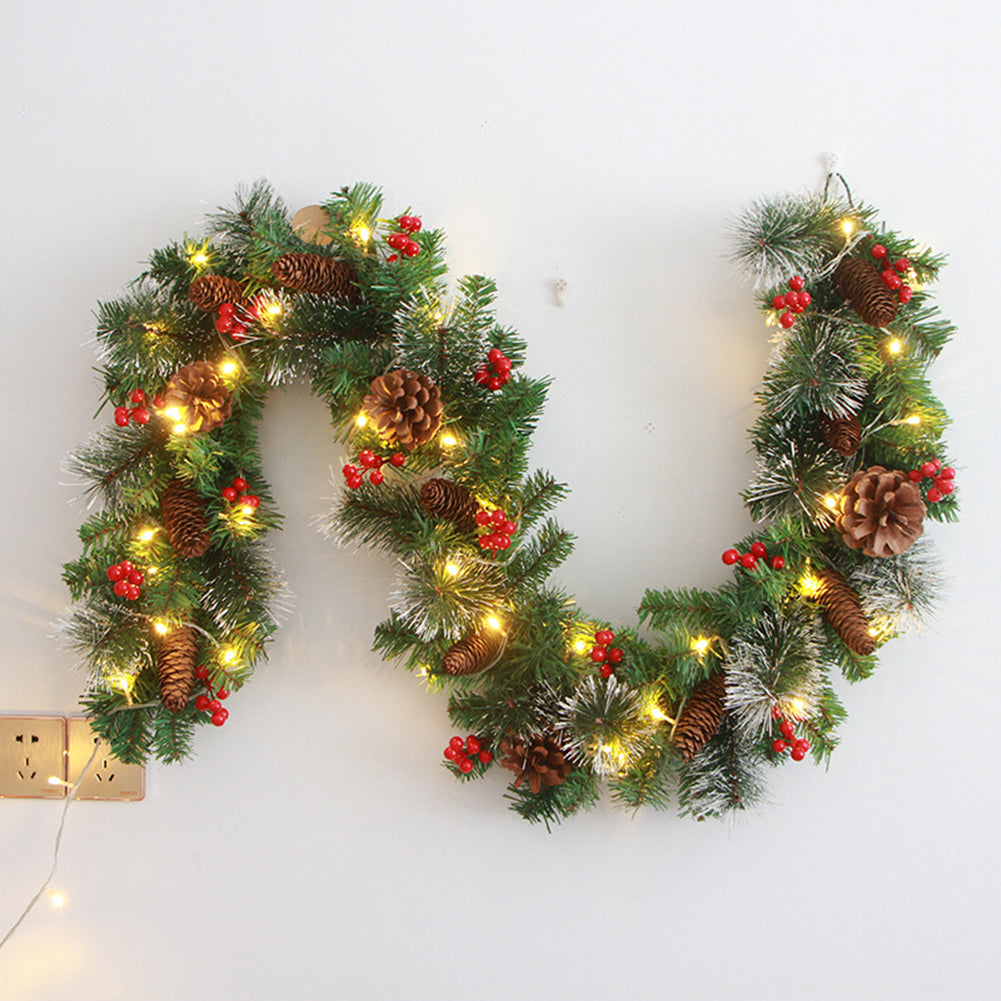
x=32 y=750
x=107 y=777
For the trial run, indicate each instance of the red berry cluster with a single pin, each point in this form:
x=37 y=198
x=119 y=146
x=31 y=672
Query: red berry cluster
x=212 y=701
x=233 y=494
x=461 y=753
x=891 y=273
x=749 y=560
x=234 y=319
x=496 y=372
x=410 y=224
x=498 y=528
x=371 y=463
x=797 y=746
x=126 y=579
x=138 y=413
x=601 y=654
x=942 y=479
x=793 y=302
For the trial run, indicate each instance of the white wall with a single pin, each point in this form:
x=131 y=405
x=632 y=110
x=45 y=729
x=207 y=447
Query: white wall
x=314 y=848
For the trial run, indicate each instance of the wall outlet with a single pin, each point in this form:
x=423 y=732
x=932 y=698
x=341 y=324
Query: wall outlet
x=32 y=750
x=107 y=777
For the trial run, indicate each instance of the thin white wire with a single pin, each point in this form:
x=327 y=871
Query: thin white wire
x=55 y=851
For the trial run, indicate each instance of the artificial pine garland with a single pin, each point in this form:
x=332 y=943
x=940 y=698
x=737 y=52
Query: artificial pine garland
x=437 y=411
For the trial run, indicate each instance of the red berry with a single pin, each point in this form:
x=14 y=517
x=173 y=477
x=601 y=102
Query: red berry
x=615 y=655
x=946 y=486
x=202 y=672
x=121 y=588
x=415 y=224
x=778 y=746
x=915 y=476
x=879 y=251
x=223 y=693
x=349 y=470
x=456 y=743
x=805 y=299
x=220 y=717
x=225 y=323
x=121 y=416
x=392 y=259
x=948 y=473
x=791 y=299
x=481 y=376
x=598 y=654
x=486 y=757
x=202 y=703
x=787 y=320
x=937 y=463
x=238 y=332
x=497 y=516
x=483 y=518
x=503 y=541
x=127 y=565
x=354 y=482
x=797 y=282
x=748 y=562
x=758 y=550
x=251 y=500
x=158 y=401
x=776 y=712
x=891 y=280
x=115 y=572
x=503 y=367
x=494 y=383
x=486 y=541
x=450 y=753
x=132 y=591
x=494 y=355
x=141 y=415
x=787 y=729
x=905 y=294
x=227 y=309
x=902 y=265
x=239 y=483
x=604 y=636
x=779 y=302
x=412 y=249
x=798 y=753
x=376 y=477
x=606 y=671
x=228 y=494
x=215 y=705
x=928 y=469
x=465 y=766
x=802 y=744
x=137 y=396
x=397 y=459
x=398 y=241
x=934 y=495
x=509 y=528
x=777 y=563
x=136 y=577
x=797 y=307
x=730 y=557
x=365 y=457
x=472 y=745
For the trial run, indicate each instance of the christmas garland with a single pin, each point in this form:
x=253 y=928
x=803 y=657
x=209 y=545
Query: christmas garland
x=176 y=598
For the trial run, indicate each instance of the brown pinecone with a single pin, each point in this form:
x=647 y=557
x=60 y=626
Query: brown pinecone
x=539 y=761
x=701 y=716
x=176 y=656
x=880 y=511
x=406 y=407
x=445 y=499
x=199 y=395
x=182 y=512
x=843 y=434
x=862 y=285
x=476 y=652
x=315 y=273
x=209 y=292
x=843 y=610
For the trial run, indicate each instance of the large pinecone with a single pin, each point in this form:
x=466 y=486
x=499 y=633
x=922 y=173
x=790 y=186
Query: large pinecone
x=862 y=285
x=315 y=273
x=182 y=512
x=444 y=499
x=880 y=511
x=843 y=610
x=539 y=760
x=176 y=656
x=209 y=292
x=199 y=395
x=701 y=716
x=476 y=652
x=843 y=434
x=406 y=407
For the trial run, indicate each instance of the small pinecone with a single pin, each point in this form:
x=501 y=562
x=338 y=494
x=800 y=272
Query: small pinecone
x=199 y=393
x=445 y=499
x=315 y=273
x=701 y=716
x=880 y=511
x=176 y=656
x=182 y=512
x=843 y=434
x=476 y=652
x=862 y=285
x=209 y=292
x=843 y=611
x=406 y=407
x=539 y=760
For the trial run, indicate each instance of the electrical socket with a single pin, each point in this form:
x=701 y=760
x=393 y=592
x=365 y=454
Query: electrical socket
x=32 y=750
x=108 y=777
